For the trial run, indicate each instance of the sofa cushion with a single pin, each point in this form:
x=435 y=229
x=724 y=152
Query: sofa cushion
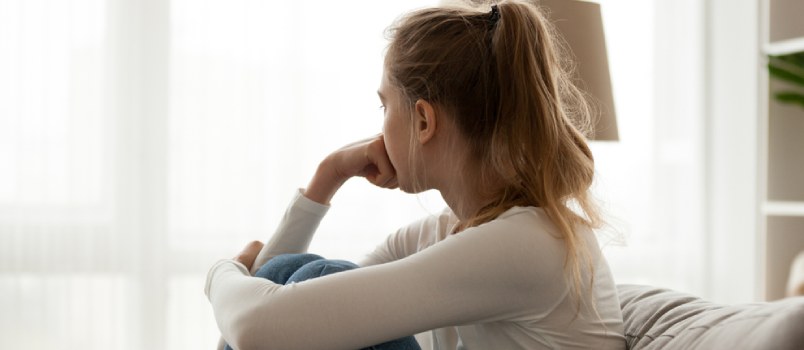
x=656 y=318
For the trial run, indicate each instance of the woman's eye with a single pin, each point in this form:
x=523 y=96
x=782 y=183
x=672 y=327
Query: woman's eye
x=382 y=107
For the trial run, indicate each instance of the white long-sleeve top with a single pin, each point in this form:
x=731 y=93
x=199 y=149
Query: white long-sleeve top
x=499 y=285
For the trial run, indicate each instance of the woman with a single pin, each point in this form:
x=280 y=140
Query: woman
x=479 y=107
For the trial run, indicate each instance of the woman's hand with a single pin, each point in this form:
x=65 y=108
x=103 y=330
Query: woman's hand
x=249 y=254
x=366 y=158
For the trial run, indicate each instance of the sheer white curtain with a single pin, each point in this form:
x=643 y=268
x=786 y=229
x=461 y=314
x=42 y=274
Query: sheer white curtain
x=141 y=140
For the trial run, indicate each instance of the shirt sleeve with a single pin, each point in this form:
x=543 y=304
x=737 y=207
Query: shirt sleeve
x=295 y=230
x=479 y=275
x=398 y=245
x=412 y=238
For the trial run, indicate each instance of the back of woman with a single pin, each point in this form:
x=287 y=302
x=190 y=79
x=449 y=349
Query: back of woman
x=518 y=259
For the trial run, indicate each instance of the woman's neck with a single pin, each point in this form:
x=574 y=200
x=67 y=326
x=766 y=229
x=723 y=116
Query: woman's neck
x=457 y=174
x=466 y=194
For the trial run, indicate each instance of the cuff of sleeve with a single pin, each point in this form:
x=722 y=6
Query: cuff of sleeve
x=308 y=205
x=222 y=264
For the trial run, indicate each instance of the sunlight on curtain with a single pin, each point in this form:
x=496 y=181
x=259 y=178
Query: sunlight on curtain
x=61 y=280
x=140 y=141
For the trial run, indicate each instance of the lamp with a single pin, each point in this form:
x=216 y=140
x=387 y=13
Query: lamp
x=581 y=25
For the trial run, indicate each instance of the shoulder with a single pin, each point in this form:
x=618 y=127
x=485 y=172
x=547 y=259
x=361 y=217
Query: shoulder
x=523 y=239
x=412 y=238
x=518 y=252
x=429 y=229
x=532 y=215
x=519 y=222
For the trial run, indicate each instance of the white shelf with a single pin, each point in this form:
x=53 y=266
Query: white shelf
x=785 y=47
x=780 y=160
x=779 y=208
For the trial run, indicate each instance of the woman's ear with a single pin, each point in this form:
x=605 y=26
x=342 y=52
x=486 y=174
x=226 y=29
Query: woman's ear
x=425 y=114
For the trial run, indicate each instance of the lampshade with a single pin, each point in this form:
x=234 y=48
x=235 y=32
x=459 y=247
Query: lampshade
x=581 y=25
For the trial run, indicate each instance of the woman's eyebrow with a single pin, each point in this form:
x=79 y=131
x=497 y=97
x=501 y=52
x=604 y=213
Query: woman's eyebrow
x=382 y=98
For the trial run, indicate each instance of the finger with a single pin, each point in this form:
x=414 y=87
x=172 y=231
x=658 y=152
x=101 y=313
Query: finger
x=385 y=170
x=390 y=182
x=385 y=174
x=249 y=253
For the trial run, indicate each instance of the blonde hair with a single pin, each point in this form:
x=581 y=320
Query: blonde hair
x=506 y=83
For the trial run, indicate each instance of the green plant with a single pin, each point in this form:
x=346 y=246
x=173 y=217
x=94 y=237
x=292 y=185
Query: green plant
x=789 y=68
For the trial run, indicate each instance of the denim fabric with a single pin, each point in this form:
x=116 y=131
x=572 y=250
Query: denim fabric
x=288 y=268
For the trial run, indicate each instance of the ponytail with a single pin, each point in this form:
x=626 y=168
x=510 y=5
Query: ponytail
x=538 y=130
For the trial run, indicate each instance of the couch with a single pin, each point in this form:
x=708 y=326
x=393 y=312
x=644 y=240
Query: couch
x=656 y=318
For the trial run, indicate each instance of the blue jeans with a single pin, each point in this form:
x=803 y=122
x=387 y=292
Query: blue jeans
x=287 y=268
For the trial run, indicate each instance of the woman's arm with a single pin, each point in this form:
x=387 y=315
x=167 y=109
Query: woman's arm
x=481 y=275
x=366 y=158
x=295 y=230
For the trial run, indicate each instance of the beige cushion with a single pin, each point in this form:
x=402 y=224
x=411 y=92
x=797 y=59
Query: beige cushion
x=656 y=318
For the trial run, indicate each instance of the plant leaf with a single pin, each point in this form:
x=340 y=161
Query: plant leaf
x=796 y=59
x=790 y=97
x=786 y=75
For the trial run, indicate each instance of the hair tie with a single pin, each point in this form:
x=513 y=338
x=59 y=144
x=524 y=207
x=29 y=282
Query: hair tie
x=494 y=16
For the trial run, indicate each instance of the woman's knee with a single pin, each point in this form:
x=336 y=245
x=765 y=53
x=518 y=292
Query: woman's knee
x=320 y=268
x=281 y=267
